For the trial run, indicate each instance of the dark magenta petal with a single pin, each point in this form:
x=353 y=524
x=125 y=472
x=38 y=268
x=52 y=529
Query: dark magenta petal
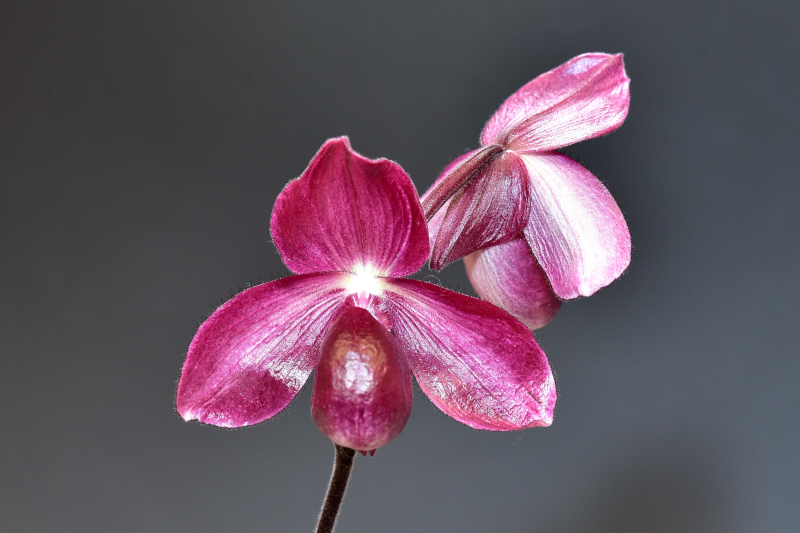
x=508 y=276
x=347 y=213
x=362 y=385
x=252 y=355
x=457 y=175
x=491 y=209
x=586 y=97
x=576 y=229
x=476 y=362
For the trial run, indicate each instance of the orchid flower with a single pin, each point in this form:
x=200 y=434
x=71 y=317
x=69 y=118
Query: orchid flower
x=350 y=228
x=535 y=227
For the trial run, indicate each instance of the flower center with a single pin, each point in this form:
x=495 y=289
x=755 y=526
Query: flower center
x=364 y=283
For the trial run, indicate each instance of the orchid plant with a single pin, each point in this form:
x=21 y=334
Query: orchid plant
x=532 y=225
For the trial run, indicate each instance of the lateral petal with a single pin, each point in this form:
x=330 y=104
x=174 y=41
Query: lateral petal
x=508 y=276
x=575 y=230
x=473 y=360
x=461 y=171
x=253 y=354
x=491 y=209
x=586 y=97
x=348 y=212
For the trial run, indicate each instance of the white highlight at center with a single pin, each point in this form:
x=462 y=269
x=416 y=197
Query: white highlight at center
x=364 y=282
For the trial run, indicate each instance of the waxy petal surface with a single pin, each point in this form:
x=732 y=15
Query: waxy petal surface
x=474 y=361
x=435 y=223
x=576 y=230
x=348 y=212
x=491 y=209
x=508 y=276
x=253 y=354
x=362 y=386
x=586 y=97
x=457 y=175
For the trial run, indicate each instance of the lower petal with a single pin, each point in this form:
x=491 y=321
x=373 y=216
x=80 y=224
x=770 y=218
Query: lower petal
x=510 y=277
x=575 y=229
x=253 y=354
x=476 y=362
x=362 y=385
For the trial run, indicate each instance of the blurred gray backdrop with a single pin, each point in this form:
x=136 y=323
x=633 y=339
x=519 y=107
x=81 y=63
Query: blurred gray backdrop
x=142 y=146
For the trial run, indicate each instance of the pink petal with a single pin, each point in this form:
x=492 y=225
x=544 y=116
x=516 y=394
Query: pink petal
x=585 y=97
x=435 y=223
x=362 y=385
x=253 y=354
x=508 y=276
x=489 y=210
x=576 y=229
x=474 y=361
x=456 y=176
x=347 y=212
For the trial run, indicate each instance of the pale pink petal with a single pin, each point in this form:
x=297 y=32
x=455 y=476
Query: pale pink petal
x=491 y=209
x=508 y=276
x=435 y=223
x=586 y=97
x=362 y=385
x=455 y=177
x=576 y=229
x=348 y=212
x=476 y=362
x=253 y=354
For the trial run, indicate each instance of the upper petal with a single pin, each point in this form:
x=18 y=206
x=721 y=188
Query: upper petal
x=576 y=229
x=491 y=209
x=347 y=211
x=586 y=97
x=510 y=277
x=476 y=362
x=253 y=354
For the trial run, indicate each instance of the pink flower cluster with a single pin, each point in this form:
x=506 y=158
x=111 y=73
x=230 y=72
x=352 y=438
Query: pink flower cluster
x=532 y=225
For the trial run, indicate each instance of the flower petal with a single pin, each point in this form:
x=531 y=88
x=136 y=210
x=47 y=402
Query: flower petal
x=253 y=354
x=491 y=209
x=586 y=97
x=455 y=177
x=347 y=212
x=508 y=276
x=362 y=385
x=474 y=361
x=576 y=229
x=435 y=223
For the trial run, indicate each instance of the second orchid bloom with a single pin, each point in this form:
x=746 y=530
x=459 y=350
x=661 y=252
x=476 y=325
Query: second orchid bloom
x=535 y=227
x=350 y=228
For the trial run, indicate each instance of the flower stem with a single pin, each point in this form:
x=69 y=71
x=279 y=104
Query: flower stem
x=342 y=466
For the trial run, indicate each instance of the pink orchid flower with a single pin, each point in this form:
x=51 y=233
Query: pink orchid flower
x=533 y=226
x=350 y=228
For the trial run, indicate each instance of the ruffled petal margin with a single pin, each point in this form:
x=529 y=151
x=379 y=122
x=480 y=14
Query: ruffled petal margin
x=586 y=97
x=348 y=212
x=491 y=209
x=474 y=361
x=509 y=276
x=253 y=354
x=576 y=230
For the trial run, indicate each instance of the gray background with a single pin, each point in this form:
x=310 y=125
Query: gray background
x=142 y=147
